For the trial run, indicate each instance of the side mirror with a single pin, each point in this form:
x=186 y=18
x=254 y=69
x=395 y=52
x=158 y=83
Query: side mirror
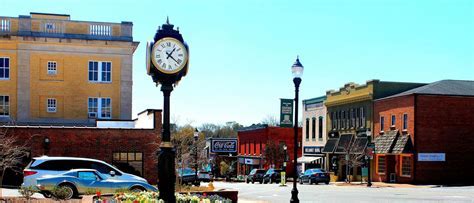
x=112 y=173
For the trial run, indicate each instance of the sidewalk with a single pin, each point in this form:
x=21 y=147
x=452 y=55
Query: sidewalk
x=383 y=185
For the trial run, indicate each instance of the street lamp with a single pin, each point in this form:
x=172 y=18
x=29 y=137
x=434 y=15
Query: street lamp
x=369 y=136
x=285 y=159
x=297 y=71
x=196 y=136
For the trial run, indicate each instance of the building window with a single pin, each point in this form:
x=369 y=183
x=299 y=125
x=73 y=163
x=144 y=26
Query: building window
x=4 y=68
x=393 y=120
x=362 y=117
x=129 y=162
x=381 y=165
x=100 y=108
x=343 y=119
x=405 y=121
x=353 y=120
x=320 y=125
x=51 y=105
x=4 y=106
x=307 y=129
x=254 y=147
x=313 y=132
x=100 y=71
x=248 y=148
x=52 y=68
x=382 y=122
x=333 y=120
x=406 y=166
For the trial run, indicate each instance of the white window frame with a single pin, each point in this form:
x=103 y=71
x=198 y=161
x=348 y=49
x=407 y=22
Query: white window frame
x=4 y=68
x=99 y=108
x=49 y=26
x=52 y=67
x=393 y=120
x=6 y=106
x=100 y=71
x=382 y=123
x=51 y=105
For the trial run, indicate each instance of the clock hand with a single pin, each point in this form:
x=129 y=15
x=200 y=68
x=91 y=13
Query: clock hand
x=169 y=55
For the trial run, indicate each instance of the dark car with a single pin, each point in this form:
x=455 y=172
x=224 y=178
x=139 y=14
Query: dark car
x=204 y=176
x=187 y=176
x=315 y=175
x=272 y=176
x=256 y=175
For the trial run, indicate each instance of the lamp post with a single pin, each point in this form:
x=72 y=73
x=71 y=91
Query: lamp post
x=283 y=172
x=297 y=71
x=285 y=159
x=369 y=136
x=196 y=136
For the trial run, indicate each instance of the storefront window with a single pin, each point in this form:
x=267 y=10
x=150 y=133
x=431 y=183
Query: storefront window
x=381 y=167
x=129 y=162
x=406 y=166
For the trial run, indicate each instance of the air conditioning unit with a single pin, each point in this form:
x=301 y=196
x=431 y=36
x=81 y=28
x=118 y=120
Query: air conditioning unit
x=51 y=72
x=92 y=115
x=51 y=109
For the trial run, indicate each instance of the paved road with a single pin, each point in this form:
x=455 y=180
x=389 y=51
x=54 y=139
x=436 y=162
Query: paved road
x=332 y=193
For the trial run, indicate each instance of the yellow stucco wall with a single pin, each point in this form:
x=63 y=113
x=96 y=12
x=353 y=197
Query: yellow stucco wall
x=71 y=86
x=8 y=87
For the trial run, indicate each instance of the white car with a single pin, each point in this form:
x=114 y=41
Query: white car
x=39 y=167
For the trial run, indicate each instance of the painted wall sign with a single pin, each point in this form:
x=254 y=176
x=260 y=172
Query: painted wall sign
x=431 y=157
x=312 y=150
x=286 y=113
x=228 y=145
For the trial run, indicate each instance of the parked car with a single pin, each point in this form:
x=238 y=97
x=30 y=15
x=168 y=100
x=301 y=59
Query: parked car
x=272 y=176
x=79 y=181
x=315 y=175
x=45 y=165
x=204 y=176
x=256 y=175
x=187 y=176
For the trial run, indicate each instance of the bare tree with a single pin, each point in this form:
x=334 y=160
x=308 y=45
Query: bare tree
x=271 y=121
x=354 y=156
x=273 y=153
x=11 y=153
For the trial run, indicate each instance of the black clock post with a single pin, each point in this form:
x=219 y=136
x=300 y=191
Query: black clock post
x=167 y=64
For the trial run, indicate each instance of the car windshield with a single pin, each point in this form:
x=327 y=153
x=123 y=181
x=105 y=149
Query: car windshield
x=318 y=171
x=260 y=171
x=185 y=171
x=270 y=171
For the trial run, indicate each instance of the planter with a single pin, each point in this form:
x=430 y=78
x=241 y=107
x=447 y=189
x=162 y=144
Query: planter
x=333 y=178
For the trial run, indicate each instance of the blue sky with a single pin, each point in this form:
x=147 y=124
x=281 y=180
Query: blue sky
x=242 y=51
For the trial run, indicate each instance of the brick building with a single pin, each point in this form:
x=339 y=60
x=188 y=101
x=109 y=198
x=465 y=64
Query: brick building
x=252 y=141
x=59 y=71
x=426 y=135
x=129 y=145
x=349 y=122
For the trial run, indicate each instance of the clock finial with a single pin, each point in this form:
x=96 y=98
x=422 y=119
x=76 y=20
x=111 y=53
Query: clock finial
x=167 y=20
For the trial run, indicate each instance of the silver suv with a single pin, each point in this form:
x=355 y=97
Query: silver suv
x=43 y=166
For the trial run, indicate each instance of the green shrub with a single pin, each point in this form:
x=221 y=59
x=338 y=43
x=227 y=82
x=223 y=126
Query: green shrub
x=60 y=193
x=27 y=192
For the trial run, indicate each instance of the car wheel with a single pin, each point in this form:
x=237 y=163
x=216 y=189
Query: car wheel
x=137 y=189
x=301 y=181
x=47 y=194
x=261 y=182
x=70 y=191
x=247 y=181
x=310 y=181
x=270 y=181
x=253 y=181
x=327 y=182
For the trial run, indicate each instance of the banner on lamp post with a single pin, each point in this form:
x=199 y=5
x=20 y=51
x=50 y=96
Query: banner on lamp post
x=286 y=113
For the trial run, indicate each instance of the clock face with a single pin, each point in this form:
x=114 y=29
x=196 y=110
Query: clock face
x=169 y=55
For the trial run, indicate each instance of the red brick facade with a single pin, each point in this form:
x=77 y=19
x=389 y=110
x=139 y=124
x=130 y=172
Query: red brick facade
x=96 y=143
x=437 y=124
x=252 y=144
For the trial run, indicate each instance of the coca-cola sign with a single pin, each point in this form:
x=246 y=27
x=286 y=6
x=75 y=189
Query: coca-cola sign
x=228 y=145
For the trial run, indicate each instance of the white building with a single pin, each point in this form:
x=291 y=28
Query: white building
x=314 y=133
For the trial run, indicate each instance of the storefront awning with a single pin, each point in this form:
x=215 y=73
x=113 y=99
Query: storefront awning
x=359 y=145
x=330 y=145
x=344 y=143
x=392 y=142
x=308 y=159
